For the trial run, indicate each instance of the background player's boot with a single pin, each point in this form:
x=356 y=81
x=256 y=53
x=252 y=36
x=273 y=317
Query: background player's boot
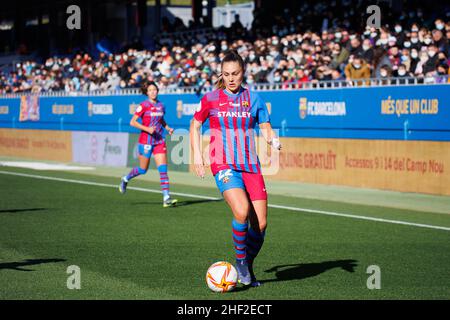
x=254 y=282
x=123 y=186
x=243 y=272
x=169 y=202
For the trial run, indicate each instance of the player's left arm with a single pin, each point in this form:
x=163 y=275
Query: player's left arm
x=269 y=135
x=166 y=126
x=263 y=118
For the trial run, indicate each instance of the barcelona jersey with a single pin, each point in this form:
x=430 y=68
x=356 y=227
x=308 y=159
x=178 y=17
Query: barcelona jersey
x=232 y=120
x=151 y=115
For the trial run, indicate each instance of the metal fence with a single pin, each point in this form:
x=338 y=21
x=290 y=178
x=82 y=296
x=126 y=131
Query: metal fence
x=313 y=85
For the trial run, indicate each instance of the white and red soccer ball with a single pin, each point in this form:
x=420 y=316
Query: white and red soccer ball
x=221 y=277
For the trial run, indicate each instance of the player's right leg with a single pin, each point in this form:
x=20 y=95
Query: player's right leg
x=145 y=154
x=232 y=188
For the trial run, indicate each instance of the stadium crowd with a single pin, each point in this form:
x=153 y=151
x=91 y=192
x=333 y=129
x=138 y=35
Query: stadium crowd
x=286 y=54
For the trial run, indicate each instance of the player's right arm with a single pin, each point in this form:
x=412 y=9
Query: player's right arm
x=200 y=116
x=195 y=137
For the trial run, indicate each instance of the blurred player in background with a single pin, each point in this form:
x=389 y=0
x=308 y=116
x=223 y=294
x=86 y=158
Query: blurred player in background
x=233 y=112
x=151 y=141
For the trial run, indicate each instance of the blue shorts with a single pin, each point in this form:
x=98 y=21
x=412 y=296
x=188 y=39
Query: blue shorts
x=252 y=183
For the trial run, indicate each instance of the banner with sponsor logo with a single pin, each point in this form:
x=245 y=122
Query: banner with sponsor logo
x=36 y=144
x=100 y=148
x=410 y=166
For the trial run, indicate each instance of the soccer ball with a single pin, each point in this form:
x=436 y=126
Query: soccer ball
x=221 y=277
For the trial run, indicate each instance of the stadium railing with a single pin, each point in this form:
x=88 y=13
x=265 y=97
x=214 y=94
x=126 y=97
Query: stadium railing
x=313 y=85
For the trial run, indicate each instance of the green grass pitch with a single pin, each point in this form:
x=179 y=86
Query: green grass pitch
x=130 y=247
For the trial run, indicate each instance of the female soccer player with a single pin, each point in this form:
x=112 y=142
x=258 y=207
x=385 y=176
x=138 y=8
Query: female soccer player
x=151 y=141
x=233 y=111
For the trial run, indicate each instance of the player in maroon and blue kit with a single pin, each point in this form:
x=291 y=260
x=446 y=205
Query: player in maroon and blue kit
x=151 y=141
x=233 y=112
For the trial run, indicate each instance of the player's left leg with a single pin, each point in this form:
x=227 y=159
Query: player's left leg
x=256 y=234
x=258 y=218
x=160 y=154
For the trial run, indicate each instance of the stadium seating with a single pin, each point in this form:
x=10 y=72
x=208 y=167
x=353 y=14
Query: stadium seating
x=410 y=51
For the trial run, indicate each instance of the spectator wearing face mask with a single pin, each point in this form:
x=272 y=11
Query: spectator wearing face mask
x=427 y=39
x=414 y=60
x=302 y=77
x=432 y=62
x=385 y=74
x=403 y=74
x=439 y=24
x=113 y=81
x=383 y=40
x=250 y=81
x=338 y=36
x=277 y=77
x=251 y=58
x=357 y=70
x=414 y=39
x=367 y=50
x=405 y=58
x=354 y=47
x=440 y=41
x=223 y=46
x=399 y=34
x=423 y=58
x=385 y=71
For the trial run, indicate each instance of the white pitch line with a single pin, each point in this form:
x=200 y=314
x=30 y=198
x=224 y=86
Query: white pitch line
x=329 y=213
x=104 y=185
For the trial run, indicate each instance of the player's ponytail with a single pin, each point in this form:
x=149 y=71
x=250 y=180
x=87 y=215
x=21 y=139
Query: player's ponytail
x=230 y=56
